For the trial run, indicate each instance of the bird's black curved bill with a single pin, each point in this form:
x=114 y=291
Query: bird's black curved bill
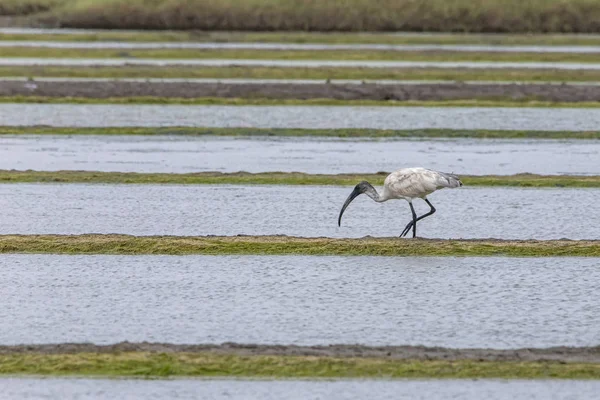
x=352 y=196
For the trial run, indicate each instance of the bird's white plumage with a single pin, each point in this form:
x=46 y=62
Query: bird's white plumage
x=406 y=184
x=412 y=183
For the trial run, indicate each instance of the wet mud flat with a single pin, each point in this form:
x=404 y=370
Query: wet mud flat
x=554 y=354
x=287 y=91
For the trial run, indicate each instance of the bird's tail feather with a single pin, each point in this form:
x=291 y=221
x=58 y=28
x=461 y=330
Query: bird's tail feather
x=450 y=180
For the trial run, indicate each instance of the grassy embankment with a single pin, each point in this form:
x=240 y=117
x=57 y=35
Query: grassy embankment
x=290 y=132
x=316 y=15
x=437 y=74
x=261 y=54
x=280 y=178
x=286 y=245
x=145 y=364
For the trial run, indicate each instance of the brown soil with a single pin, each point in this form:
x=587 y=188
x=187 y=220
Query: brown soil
x=560 y=354
x=424 y=92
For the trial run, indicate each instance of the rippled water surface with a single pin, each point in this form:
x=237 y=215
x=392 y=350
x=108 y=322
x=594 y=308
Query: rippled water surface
x=299 y=46
x=308 y=117
x=181 y=154
x=100 y=389
x=295 y=210
x=82 y=62
x=292 y=81
x=445 y=301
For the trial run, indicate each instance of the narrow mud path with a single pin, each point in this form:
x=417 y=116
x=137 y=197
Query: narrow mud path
x=556 y=354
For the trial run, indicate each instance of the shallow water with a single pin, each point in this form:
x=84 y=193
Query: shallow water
x=180 y=154
x=14 y=61
x=300 y=46
x=99 y=389
x=308 y=117
x=294 y=81
x=502 y=213
x=492 y=302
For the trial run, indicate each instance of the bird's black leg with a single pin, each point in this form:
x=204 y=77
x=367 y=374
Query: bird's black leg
x=411 y=223
x=414 y=221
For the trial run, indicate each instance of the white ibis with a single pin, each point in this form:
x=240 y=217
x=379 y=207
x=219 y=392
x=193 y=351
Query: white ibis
x=407 y=184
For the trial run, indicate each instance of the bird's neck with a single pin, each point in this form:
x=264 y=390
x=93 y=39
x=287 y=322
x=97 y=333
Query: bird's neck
x=375 y=195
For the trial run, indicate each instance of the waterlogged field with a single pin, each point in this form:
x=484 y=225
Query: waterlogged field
x=530 y=300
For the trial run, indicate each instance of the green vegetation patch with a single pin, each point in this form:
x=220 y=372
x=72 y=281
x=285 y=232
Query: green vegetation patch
x=261 y=54
x=146 y=364
x=280 y=178
x=308 y=37
x=502 y=101
x=285 y=245
x=283 y=132
x=245 y=72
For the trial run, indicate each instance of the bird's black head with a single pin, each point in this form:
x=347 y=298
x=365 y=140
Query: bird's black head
x=359 y=189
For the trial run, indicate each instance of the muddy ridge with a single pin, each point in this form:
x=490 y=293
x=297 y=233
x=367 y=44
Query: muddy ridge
x=555 y=354
x=283 y=91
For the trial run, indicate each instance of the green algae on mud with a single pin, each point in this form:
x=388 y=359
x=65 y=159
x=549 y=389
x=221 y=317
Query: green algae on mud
x=313 y=37
x=502 y=101
x=324 y=73
x=281 y=178
x=267 y=54
x=287 y=245
x=293 y=132
x=150 y=364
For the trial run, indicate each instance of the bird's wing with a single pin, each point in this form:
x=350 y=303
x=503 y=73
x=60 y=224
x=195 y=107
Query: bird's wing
x=411 y=182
